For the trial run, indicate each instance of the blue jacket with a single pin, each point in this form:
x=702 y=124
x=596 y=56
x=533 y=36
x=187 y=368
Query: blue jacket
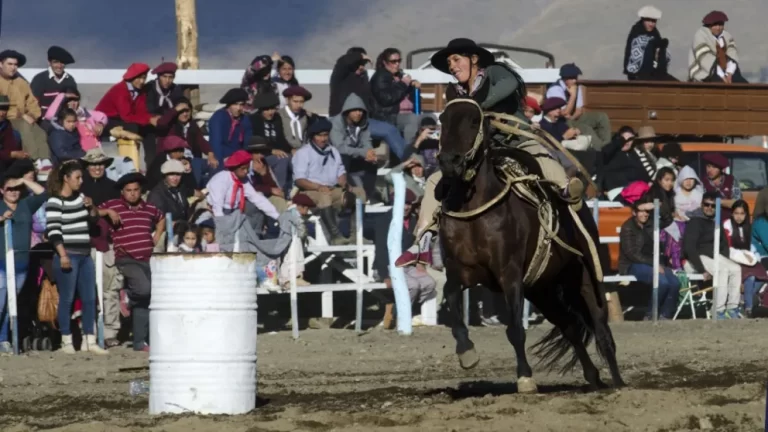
x=760 y=235
x=64 y=145
x=218 y=131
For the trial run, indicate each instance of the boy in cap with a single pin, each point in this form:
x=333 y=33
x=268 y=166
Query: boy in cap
x=293 y=116
x=125 y=104
x=229 y=129
x=50 y=83
x=161 y=92
x=714 y=57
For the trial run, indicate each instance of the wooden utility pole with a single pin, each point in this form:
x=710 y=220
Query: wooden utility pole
x=186 y=42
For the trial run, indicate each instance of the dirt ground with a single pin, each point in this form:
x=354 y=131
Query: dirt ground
x=684 y=375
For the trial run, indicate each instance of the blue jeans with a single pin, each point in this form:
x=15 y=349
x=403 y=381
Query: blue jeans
x=389 y=134
x=21 y=277
x=751 y=285
x=283 y=171
x=81 y=277
x=669 y=287
x=201 y=171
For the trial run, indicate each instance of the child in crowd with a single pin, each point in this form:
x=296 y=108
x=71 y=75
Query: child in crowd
x=64 y=140
x=189 y=239
x=208 y=231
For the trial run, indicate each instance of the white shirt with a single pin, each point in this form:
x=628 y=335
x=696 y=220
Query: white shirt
x=730 y=67
x=558 y=90
x=220 y=195
x=53 y=76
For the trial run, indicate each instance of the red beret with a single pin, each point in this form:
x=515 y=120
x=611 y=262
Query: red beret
x=238 y=158
x=165 y=68
x=552 y=104
x=134 y=70
x=410 y=196
x=716 y=159
x=297 y=91
x=530 y=102
x=714 y=17
x=303 y=200
x=172 y=142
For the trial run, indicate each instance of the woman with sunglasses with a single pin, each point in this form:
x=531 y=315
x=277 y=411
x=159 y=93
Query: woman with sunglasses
x=393 y=94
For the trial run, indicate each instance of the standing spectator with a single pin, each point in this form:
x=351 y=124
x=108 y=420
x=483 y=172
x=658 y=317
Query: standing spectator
x=671 y=157
x=266 y=123
x=636 y=258
x=10 y=148
x=172 y=148
x=169 y=195
x=351 y=137
x=161 y=92
x=688 y=192
x=133 y=223
x=90 y=124
x=125 y=104
x=738 y=231
x=50 y=83
x=319 y=173
x=261 y=176
x=593 y=123
x=19 y=211
x=393 y=94
x=230 y=130
x=69 y=216
x=284 y=76
x=65 y=141
x=293 y=116
x=713 y=56
x=717 y=181
x=96 y=185
x=257 y=79
x=645 y=54
x=698 y=249
x=24 y=111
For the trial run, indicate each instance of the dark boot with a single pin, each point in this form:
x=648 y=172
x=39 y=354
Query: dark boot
x=353 y=230
x=330 y=222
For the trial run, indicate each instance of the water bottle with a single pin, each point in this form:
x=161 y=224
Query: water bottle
x=417 y=101
x=139 y=387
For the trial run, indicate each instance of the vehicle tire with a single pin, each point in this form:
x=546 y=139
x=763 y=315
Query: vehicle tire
x=46 y=344
x=37 y=344
x=26 y=344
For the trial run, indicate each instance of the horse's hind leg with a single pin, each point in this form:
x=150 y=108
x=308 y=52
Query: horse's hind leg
x=513 y=291
x=465 y=349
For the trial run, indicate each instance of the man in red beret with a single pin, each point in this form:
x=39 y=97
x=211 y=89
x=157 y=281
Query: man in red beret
x=718 y=181
x=293 y=116
x=161 y=92
x=713 y=56
x=229 y=191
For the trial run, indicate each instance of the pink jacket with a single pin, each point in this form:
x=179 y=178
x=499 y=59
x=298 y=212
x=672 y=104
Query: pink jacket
x=86 y=125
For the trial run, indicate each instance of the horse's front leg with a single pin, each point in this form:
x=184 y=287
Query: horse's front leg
x=512 y=284
x=465 y=349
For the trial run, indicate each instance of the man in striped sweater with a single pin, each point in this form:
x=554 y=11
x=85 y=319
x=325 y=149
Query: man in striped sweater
x=134 y=241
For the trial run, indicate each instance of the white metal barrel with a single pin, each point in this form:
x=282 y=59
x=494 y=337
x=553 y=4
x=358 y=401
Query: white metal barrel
x=203 y=333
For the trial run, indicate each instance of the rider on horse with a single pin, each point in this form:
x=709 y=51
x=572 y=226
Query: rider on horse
x=496 y=88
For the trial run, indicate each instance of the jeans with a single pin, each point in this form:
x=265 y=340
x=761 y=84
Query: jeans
x=81 y=277
x=751 y=285
x=389 y=134
x=282 y=169
x=21 y=277
x=201 y=171
x=669 y=287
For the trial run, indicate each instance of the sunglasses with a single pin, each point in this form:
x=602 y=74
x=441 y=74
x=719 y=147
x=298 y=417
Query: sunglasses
x=708 y=205
x=395 y=61
x=184 y=111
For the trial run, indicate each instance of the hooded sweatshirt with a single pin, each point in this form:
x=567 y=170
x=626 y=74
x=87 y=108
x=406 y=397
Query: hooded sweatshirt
x=351 y=140
x=699 y=239
x=691 y=202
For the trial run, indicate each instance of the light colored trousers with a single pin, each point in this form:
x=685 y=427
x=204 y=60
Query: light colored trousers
x=728 y=282
x=421 y=286
x=113 y=283
x=285 y=267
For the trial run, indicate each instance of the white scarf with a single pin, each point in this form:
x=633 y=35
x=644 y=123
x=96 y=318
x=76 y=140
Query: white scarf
x=295 y=124
x=164 y=99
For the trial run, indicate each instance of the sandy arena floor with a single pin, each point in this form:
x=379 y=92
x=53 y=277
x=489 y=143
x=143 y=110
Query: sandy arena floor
x=682 y=376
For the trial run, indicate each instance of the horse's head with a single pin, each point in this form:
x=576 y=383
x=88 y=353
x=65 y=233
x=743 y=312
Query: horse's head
x=462 y=140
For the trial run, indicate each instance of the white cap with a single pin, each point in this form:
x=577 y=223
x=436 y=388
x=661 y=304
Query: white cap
x=650 y=12
x=172 y=166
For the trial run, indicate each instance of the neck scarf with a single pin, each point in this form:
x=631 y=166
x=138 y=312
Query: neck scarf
x=295 y=124
x=326 y=152
x=237 y=186
x=233 y=126
x=461 y=91
x=164 y=96
x=133 y=90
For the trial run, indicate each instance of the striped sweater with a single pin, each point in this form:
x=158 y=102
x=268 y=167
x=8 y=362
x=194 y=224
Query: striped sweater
x=68 y=223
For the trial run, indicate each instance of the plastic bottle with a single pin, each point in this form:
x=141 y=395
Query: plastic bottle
x=139 y=387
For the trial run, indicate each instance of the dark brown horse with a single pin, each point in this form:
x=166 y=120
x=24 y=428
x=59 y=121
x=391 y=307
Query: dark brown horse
x=495 y=247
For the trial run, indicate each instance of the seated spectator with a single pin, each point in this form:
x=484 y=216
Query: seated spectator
x=283 y=77
x=90 y=124
x=688 y=193
x=646 y=140
x=65 y=141
x=208 y=235
x=671 y=157
x=162 y=92
x=268 y=124
x=54 y=81
x=261 y=176
x=10 y=148
x=351 y=137
x=738 y=231
x=669 y=221
x=169 y=195
x=620 y=142
x=421 y=286
x=19 y=210
x=257 y=79
x=645 y=54
x=229 y=191
x=413 y=172
x=125 y=103
x=393 y=94
x=427 y=144
x=230 y=130
x=178 y=122
x=718 y=182
x=293 y=116
x=24 y=110
x=531 y=109
x=319 y=173
x=172 y=148
x=713 y=56
x=595 y=124
x=698 y=249
x=554 y=123
x=630 y=163
x=96 y=185
x=636 y=258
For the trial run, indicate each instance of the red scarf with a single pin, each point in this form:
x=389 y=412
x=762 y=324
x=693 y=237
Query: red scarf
x=233 y=126
x=238 y=186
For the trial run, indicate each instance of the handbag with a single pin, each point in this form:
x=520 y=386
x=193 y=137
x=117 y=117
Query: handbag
x=48 y=303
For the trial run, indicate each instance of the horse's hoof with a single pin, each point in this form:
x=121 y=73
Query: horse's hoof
x=526 y=385
x=469 y=359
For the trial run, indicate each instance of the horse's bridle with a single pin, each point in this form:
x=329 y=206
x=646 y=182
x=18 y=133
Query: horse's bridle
x=471 y=162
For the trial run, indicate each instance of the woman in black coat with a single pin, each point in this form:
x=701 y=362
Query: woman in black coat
x=390 y=88
x=645 y=54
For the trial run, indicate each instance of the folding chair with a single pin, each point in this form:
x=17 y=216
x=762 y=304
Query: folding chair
x=692 y=296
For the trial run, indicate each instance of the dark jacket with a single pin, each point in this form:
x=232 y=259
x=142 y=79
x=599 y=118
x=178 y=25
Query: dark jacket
x=557 y=128
x=45 y=88
x=699 y=239
x=223 y=143
x=387 y=95
x=8 y=144
x=99 y=190
x=162 y=197
x=153 y=97
x=501 y=90
x=263 y=183
x=381 y=260
x=621 y=168
x=64 y=145
x=635 y=245
x=155 y=175
x=272 y=131
x=344 y=81
x=168 y=125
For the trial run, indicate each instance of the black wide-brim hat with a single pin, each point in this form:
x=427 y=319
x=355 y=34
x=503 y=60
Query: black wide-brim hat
x=462 y=46
x=129 y=178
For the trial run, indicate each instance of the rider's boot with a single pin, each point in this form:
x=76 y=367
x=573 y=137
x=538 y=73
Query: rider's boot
x=419 y=253
x=574 y=192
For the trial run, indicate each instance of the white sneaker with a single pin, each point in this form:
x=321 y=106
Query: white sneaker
x=66 y=345
x=417 y=321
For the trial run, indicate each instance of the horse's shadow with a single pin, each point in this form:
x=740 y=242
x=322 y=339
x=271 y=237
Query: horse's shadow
x=479 y=389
